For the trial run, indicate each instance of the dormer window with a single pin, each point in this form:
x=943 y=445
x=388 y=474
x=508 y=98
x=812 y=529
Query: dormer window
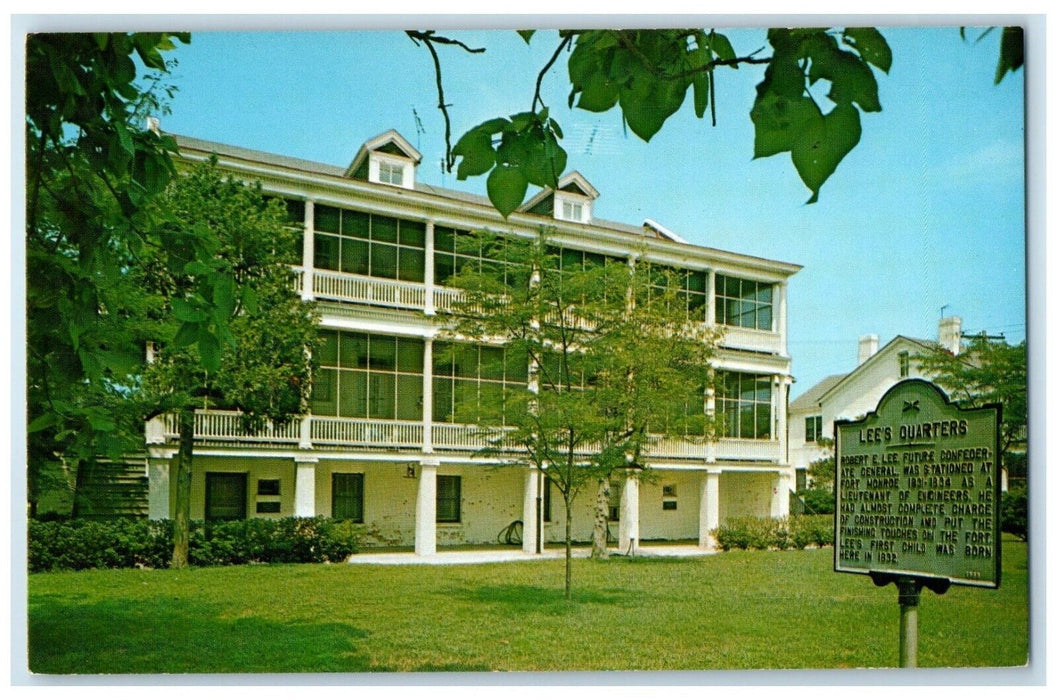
x=391 y=173
x=571 y=208
x=387 y=159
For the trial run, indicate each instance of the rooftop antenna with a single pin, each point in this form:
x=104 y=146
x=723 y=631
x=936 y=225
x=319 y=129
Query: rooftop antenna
x=942 y=308
x=419 y=129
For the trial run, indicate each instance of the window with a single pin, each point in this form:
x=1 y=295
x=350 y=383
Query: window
x=369 y=244
x=743 y=405
x=744 y=303
x=391 y=173
x=456 y=251
x=366 y=375
x=268 y=507
x=449 y=498
x=904 y=364
x=812 y=428
x=546 y=499
x=225 y=496
x=473 y=383
x=572 y=211
x=346 y=497
x=614 y=502
x=268 y=487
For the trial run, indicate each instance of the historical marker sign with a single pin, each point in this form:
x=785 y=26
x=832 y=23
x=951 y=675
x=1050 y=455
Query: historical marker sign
x=917 y=489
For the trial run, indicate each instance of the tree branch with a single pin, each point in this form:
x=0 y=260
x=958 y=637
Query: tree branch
x=539 y=79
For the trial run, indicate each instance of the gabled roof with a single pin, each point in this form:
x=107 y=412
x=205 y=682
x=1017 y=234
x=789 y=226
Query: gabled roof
x=888 y=349
x=390 y=138
x=810 y=398
x=572 y=181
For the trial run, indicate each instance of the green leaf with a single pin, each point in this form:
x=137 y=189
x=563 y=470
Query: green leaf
x=778 y=120
x=822 y=143
x=224 y=297
x=1010 y=52
x=184 y=310
x=526 y=34
x=42 y=422
x=722 y=47
x=197 y=267
x=476 y=153
x=871 y=45
x=186 y=335
x=209 y=350
x=598 y=92
x=506 y=189
x=700 y=94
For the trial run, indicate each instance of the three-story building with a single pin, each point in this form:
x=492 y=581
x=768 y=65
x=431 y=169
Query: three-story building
x=386 y=443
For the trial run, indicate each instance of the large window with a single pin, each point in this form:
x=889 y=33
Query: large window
x=346 y=497
x=743 y=405
x=472 y=383
x=812 y=428
x=369 y=244
x=456 y=251
x=365 y=375
x=744 y=303
x=225 y=496
x=449 y=498
x=690 y=286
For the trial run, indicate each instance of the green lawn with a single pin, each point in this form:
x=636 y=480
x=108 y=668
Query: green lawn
x=738 y=610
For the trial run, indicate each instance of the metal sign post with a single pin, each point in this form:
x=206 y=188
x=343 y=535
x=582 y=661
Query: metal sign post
x=918 y=490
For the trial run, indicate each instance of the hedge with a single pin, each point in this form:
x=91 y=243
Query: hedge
x=126 y=543
x=794 y=532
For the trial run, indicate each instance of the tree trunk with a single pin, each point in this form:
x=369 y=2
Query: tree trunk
x=599 y=542
x=182 y=476
x=568 y=547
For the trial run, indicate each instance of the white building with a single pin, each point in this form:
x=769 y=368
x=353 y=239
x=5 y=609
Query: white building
x=850 y=396
x=383 y=444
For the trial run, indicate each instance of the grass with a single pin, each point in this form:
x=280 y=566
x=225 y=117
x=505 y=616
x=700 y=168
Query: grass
x=737 y=610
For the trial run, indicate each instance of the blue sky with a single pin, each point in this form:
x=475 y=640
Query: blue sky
x=926 y=213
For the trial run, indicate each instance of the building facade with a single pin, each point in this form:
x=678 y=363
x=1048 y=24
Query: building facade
x=386 y=444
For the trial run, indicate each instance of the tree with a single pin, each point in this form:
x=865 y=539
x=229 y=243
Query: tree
x=648 y=75
x=610 y=361
x=266 y=370
x=986 y=371
x=91 y=167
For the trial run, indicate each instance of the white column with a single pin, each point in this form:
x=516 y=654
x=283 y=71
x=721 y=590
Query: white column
x=426 y=509
x=628 y=537
x=530 y=511
x=305 y=486
x=427 y=394
x=708 y=518
x=710 y=410
x=158 y=489
x=431 y=308
x=781 y=415
x=783 y=482
x=308 y=252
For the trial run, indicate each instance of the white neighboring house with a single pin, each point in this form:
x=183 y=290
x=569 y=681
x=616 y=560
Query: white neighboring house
x=384 y=444
x=850 y=396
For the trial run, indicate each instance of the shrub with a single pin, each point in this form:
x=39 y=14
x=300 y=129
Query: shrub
x=1015 y=513
x=775 y=533
x=818 y=501
x=111 y=544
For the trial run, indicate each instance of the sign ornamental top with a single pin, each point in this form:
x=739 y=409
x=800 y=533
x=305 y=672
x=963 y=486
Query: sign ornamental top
x=918 y=488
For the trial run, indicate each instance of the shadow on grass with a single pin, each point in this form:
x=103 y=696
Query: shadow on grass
x=549 y=601
x=170 y=636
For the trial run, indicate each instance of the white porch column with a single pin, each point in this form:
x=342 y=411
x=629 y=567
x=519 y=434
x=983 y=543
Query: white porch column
x=158 y=489
x=431 y=308
x=305 y=486
x=308 y=252
x=783 y=335
x=530 y=510
x=708 y=517
x=426 y=509
x=628 y=532
x=783 y=483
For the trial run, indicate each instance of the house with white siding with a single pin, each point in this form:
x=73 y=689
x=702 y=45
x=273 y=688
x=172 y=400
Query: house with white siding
x=850 y=396
x=386 y=444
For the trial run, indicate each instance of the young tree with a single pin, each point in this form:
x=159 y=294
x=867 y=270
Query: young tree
x=648 y=74
x=266 y=369
x=611 y=359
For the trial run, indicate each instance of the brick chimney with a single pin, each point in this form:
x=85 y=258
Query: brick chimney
x=950 y=335
x=867 y=347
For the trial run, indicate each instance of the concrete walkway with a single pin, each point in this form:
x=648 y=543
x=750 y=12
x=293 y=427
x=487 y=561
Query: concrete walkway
x=487 y=556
